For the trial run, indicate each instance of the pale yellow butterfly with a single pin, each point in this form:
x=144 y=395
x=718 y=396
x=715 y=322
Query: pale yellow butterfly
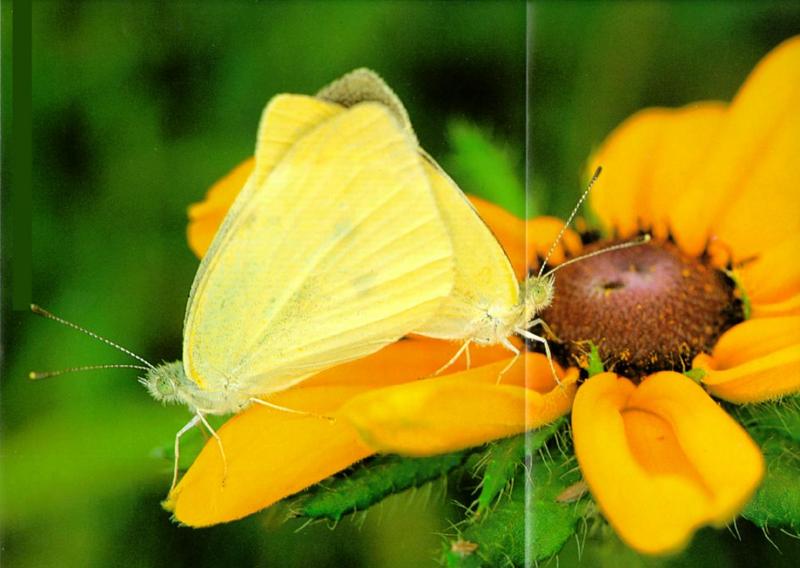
x=487 y=305
x=333 y=249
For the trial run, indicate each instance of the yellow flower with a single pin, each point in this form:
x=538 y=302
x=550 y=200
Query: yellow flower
x=714 y=184
x=662 y=459
x=384 y=402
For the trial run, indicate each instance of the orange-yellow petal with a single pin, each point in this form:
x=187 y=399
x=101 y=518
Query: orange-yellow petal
x=745 y=193
x=206 y=216
x=461 y=410
x=541 y=233
x=686 y=139
x=290 y=451
x=661 y=459
x=270 y=454
x=754 y=361
x=647 y=162
x=774 y=277
x=624 y=157
x=788 y=307
x=407 y=360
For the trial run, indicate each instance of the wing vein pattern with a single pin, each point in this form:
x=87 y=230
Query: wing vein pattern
x=336 y=251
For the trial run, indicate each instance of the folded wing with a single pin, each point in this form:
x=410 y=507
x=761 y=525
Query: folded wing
x=334 y=249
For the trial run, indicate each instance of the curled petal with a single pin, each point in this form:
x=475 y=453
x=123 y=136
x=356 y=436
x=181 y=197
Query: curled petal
x=270 y=454
x=661 y=459
x=461 y=410
x=754 y=361
x=205 y=217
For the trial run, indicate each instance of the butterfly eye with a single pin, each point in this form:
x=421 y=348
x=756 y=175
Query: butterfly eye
x=165 y=386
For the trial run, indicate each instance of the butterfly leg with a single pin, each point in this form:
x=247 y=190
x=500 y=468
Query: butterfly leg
x=191 y=424
x=219 y=443
x=464 y=348
x=515 y=350
x=533 y=337
x=280 y=408
x=543 y=324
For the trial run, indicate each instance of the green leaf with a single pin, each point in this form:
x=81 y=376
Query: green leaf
x=370 y=482
x=777 y=501
x=551 y=522
x=499 y=536
x=776 y=427
x=695 y=374
x=502 y=535
x=504 y=457
x=484 y=168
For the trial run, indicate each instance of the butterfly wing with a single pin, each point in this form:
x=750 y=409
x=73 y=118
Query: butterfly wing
x=336 y=252
x=484 y=278
x=285 y=120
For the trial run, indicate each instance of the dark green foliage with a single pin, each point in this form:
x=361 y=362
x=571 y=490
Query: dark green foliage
x=502 y=459
x=777 y=501
x=369 y=483
x=768 y=419
x=502 y=535
x=776 y=427
x=485 y=168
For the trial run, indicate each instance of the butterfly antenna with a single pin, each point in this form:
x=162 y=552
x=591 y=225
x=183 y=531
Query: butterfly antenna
x=571 y=217
x=640 y=241
x=44 y=313
x=36 y=375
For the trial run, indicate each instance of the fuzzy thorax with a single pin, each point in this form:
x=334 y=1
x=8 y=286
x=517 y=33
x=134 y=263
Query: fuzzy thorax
x=500 y=322
x=169 y=384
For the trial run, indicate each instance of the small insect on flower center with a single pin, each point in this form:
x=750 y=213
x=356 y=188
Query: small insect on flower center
x=647 y=308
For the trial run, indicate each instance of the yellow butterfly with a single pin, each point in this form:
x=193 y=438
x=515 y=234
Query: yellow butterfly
x=333 y=249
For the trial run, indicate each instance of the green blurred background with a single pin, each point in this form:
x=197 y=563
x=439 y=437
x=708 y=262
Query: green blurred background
x=138 y=107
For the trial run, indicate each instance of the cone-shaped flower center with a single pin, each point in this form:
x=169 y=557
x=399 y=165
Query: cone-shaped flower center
x=647 y=308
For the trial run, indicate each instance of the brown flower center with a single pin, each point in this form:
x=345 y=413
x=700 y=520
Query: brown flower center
x=647 y=308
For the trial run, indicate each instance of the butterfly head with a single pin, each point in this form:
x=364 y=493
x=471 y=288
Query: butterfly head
x=537 y=293
x=169 y=384
x=165 y=382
